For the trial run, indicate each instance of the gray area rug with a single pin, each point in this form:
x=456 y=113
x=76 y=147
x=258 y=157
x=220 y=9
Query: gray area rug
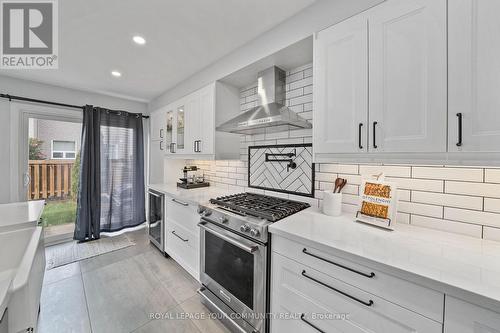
x=66 y=253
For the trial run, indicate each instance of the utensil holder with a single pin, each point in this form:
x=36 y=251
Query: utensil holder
x=332 y=203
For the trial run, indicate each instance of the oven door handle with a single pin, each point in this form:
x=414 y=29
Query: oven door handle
x=249 y=249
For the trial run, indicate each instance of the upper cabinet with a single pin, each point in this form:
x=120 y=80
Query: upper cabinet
x=340 y=87
x=187 y=126
x=474 y=76
x=380 y=81
x=407 y=85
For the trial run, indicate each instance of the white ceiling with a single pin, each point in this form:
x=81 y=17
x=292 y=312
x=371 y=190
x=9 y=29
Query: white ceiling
x=183 y=36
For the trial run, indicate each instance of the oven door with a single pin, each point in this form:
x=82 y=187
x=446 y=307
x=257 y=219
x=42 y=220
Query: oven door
x=234 y=269
x=156 y=217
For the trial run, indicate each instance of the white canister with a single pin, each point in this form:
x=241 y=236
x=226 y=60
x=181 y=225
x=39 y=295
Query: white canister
x=332 y=203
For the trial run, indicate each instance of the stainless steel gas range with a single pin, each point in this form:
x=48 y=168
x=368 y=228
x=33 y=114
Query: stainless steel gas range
x=235 y=254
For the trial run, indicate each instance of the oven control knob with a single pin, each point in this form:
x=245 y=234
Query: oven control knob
x=223 y=219
x=207 y=213
x=245 y=228
x=254 y=233
x=201 y=210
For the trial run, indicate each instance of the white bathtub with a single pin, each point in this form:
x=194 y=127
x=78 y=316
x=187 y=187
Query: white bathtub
x=22 y=267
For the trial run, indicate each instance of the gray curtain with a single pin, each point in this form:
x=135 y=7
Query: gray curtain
x=111 y=195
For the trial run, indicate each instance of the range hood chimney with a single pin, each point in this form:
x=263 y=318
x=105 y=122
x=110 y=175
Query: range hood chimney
x=271 y=115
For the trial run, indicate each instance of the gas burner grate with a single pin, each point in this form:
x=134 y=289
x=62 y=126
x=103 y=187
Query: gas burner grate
x=258 y=205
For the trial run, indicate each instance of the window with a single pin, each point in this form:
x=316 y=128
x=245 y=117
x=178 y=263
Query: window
x=63 y=149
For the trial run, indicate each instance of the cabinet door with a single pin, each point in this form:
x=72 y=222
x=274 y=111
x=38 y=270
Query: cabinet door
x=463 y=317
x=474 y=75
x=340 y=87
x=157 y=124
x=169 y=130
x=206 y=120
x=407 y=76
x=156 y=155
x=180 y=127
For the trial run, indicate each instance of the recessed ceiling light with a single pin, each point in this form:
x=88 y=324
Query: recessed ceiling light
x=139 y=40
x=116 y=73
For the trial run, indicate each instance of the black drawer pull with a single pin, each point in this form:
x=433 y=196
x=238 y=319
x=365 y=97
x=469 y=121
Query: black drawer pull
x=310 y=324
x=180 y=202
x=369 y=303
x=359 y=136
x=182 y=239
x=337 y=264
x=459 y=143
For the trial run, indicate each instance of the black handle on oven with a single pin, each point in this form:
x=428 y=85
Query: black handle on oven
x=304 y=250
x=369 y=303
x=302 y=317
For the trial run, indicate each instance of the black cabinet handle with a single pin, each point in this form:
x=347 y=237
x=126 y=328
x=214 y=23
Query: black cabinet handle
x=302 y=317
x=161 y=145
x=338 y=265
x=172 y=147
x=459 y=143
x=359 y=136
x=375 y=135
x=195 y=146
x=180 y=202
x=182 y=239
x=161 y=133
x=199 y=146
x=369 y=303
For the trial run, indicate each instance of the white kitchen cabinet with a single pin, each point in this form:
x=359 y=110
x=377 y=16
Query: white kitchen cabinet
x=326 y=304
x=182 y=234
x=407 y=85
x=157 y=124
x=474 y=75
x=340 y=87
x=463 y=317
x=156 y=157
x=191 y=122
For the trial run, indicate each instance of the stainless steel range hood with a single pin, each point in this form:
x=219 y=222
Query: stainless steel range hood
x=271 y=115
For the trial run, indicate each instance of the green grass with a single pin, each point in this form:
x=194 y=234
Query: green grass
x=59 y=212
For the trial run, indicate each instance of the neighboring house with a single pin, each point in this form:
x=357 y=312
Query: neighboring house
x=61 y=140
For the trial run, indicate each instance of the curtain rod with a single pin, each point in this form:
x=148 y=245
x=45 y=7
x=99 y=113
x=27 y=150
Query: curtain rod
x=33 y=100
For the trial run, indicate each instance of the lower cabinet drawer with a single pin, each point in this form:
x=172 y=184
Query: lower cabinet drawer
x=422 y=300
x=183 y=246
x=306 y=300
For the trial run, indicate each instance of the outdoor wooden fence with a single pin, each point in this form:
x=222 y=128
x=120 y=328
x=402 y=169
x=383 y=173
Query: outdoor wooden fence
x=50 y=179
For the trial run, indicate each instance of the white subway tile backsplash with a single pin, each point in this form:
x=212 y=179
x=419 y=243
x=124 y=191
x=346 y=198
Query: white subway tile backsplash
x=340 y=168
x=449 y=226
x=492 y=175
x=462 y=174
x=492 y=205
x=388 y=170
x=463 y=200
x=478 y=189
x=472 y=216
x=491 y=233
x=451 y=200
x=420 y=209
x=417 y=184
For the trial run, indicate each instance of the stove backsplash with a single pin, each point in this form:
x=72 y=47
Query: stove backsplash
x=282 y=168
x=463 y=200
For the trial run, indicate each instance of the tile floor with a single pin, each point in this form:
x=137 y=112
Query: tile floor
x=118 y=292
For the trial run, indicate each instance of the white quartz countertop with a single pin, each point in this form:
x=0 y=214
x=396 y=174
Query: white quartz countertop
x=195 y=195
x=458 y=265
x=20 y=214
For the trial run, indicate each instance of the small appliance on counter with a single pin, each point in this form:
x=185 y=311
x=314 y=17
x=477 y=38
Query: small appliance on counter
x=192 y=181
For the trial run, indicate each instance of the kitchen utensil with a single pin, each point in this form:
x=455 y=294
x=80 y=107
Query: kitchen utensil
x=344 y=182
x=338 y=182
